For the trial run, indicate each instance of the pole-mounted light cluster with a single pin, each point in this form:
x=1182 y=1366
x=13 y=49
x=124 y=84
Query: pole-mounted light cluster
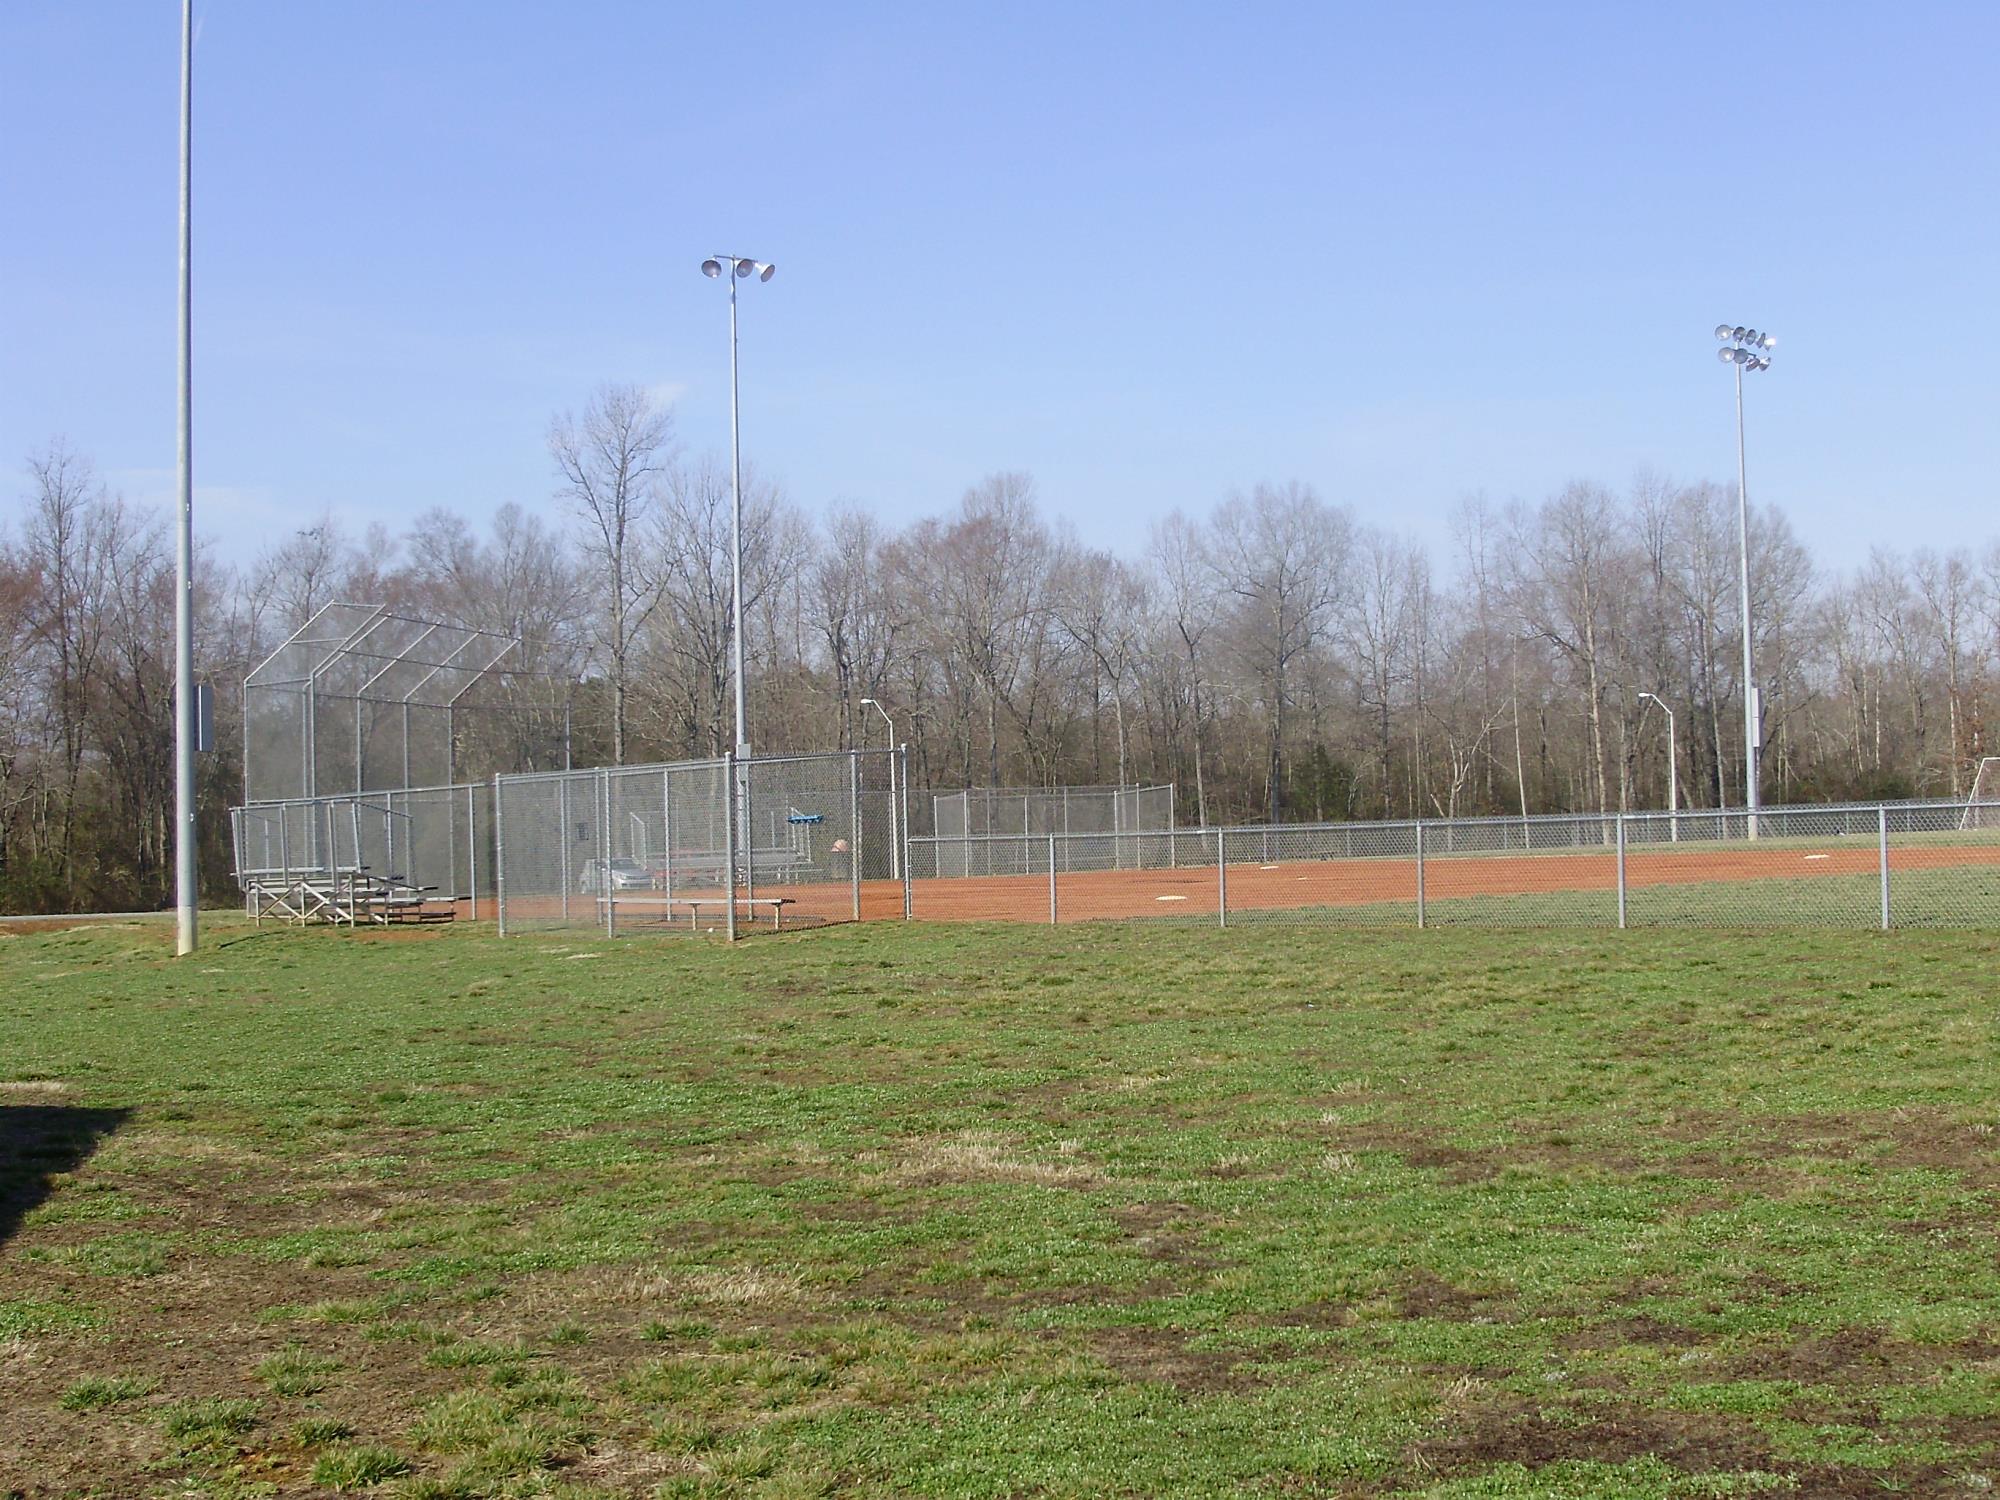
x=744 y=267
x=1747 y=347
x=741 y=268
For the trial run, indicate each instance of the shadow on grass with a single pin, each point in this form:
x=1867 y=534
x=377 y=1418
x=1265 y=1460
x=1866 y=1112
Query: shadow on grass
x=37 y=1143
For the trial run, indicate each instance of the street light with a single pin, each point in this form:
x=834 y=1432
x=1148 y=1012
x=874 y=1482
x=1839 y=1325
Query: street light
x=895 y=844
x=187 y=884
x=1746 y=349
x=741 y=268
x=1673 y=769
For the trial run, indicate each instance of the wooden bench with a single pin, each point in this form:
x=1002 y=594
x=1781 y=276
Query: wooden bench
x=770 y=863
x=669 y=906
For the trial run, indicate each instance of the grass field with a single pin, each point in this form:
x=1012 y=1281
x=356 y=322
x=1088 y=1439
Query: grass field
x=1000 y=1211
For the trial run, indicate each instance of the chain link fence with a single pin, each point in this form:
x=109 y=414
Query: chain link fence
x=998 y=831
x=713 y=845
x=1906 y=864
x=722 y=845
x=434 y=842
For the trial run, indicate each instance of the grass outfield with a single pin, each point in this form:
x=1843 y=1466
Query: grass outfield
x=1955 y=896
x=1111 y=1209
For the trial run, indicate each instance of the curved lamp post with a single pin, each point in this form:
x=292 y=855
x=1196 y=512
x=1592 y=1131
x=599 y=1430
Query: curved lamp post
x=895 y=843
x=1673 y=770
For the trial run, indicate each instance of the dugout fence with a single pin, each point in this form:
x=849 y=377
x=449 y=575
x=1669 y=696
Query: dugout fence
x=721 y=845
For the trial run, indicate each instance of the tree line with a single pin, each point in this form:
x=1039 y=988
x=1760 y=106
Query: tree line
x=1270 y=655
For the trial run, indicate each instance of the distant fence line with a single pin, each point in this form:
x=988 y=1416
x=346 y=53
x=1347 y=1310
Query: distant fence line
x=1866 y=864
x=805 y=840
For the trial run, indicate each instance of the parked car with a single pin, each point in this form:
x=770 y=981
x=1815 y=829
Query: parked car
x=613 y=875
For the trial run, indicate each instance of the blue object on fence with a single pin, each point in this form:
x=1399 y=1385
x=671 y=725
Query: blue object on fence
x=799 y=817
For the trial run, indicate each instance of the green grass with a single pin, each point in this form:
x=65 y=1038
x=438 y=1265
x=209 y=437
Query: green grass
x=318 y=1432
x=293 y=1371
x=980 y=1212
x=358 y=1468
x=96 y=1392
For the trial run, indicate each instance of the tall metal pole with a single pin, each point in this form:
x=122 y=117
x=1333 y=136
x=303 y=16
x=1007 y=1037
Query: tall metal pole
x=1673 y=780
x=186 y=880
x=736 y=525
x=1752 y=738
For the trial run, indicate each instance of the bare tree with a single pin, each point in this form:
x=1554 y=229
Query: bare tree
x=1098 y=604
x=1182 y=577
x=1571 y=576
x=1283 y=555
x=300 y=575
x=610 y=461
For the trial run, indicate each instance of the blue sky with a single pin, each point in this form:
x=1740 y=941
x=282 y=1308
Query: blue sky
x=1145 y=252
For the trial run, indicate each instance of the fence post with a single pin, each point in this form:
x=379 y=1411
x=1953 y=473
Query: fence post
x=896 y=850
x=667 y=833
x=729 y=844
x=562 y=816
x=1221 y=881
x=749 y=835
x=499 y=860
x=607 y=888
x=1420 y=875
x=1621 y=872
x=472 y=847
x=903 y=776
x=1052 y=880
x=1882 y=833
x=854 y=827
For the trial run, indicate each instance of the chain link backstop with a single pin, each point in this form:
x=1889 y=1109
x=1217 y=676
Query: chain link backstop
x=996 y=831
x=710 y=845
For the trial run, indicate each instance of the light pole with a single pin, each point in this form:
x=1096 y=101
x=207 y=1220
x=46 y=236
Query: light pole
x=1673 y=770
x=895 y=844
x=739 y=268
x=1746 y=349
x=186 y=880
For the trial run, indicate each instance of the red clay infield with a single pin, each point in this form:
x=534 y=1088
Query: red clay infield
x=1096 y=894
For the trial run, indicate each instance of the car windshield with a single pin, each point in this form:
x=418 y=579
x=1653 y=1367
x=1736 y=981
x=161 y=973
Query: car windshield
x=627 y=867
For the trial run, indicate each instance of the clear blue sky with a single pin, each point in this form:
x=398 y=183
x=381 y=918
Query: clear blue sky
x=1147 y=252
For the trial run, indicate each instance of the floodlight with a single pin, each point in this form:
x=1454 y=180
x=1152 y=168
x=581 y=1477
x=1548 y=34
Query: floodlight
x=1770 y=341
x=1722 y=332
x=1738 y=332
x=1753 y=337
x=740 y=268
x=1727 y=356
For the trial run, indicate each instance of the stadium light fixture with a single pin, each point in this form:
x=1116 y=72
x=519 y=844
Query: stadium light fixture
x=742 y=267
x=1746 y=349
